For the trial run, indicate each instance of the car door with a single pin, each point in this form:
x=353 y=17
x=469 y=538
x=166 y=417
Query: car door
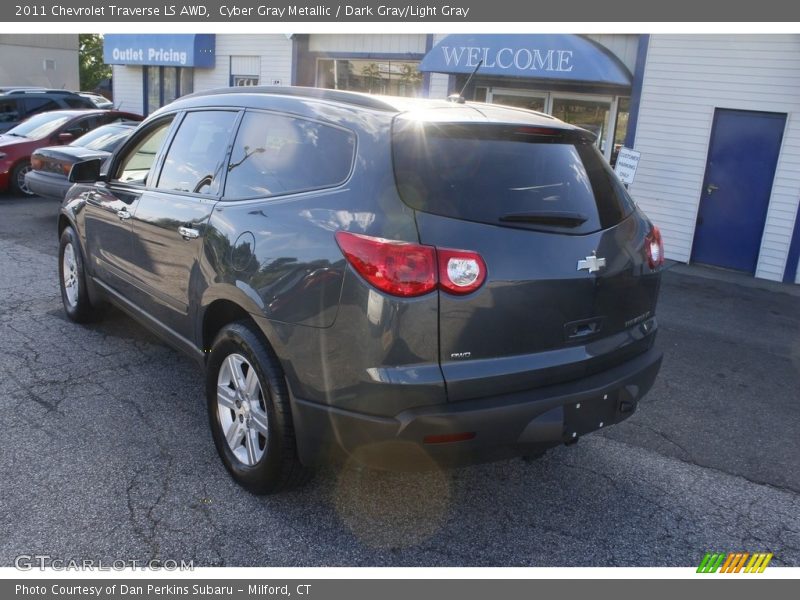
x=170 y=218
x=110 y=205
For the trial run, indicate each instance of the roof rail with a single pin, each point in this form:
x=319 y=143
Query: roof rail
x=37 y=91
x=354 y=98
x=11 y=90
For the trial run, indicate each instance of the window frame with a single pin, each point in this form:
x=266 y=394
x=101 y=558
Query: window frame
x=161 y=158
x=275 y=197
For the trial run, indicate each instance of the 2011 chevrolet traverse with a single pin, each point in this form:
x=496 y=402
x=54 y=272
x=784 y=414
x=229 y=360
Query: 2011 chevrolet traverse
x=402 y=282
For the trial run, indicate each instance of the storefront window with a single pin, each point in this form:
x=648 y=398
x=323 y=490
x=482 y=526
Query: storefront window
x=395 y=78
x=165 y=84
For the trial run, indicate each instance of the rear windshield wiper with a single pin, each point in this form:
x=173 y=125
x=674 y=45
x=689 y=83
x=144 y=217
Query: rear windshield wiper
x=547 y=217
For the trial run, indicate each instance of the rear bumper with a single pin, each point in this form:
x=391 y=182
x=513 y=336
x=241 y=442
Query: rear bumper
x=503 y=426
x=47 y=186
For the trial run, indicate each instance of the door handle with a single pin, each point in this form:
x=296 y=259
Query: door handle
x=711 y=188
x=188 y=233
x=123 y=214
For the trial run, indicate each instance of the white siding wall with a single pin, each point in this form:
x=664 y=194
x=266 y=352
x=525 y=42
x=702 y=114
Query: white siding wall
x=686 y=78
x=439 y=81
x=275 y=51
x=377 y=43
x=25 y=65
x=128 y=92
x=439 y=85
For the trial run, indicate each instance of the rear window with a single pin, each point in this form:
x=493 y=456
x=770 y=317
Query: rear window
x=537 y=178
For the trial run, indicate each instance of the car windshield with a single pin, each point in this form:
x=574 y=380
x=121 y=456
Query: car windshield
x=105 y=139
x=40 y=126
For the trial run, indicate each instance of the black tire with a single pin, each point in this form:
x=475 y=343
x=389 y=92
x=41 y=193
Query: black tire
x=279 y=467
x=16 y=186
x=77 y=304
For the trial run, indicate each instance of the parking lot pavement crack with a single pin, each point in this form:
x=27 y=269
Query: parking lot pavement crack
x=666 y=438
x=145 y=536
x=697 y=463
x=149 y=532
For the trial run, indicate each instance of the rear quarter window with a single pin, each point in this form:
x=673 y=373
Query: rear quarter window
x=79 y=102
x=502 y=174
x=278 y=154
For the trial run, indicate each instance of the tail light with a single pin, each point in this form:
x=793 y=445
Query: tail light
x=460 y=271
x=397 y=268
x=407 y=270
x=654 y=247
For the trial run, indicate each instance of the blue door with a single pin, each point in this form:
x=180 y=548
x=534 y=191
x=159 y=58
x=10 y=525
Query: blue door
x=738 y=182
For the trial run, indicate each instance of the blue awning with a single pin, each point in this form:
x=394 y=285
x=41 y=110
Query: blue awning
x=168 y=50
x=571 y=58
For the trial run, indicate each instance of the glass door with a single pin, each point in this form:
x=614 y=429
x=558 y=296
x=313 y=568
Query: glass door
x=519 y=98
x=590 y=112
x=598 y=114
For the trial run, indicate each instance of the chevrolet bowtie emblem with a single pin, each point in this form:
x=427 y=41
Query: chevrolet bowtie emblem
x=591 y=263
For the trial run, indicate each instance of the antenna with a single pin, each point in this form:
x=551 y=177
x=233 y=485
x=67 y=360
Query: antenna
x=459 y=98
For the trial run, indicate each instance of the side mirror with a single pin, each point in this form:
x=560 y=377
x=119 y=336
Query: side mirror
x=87 y=171
x=65 y=137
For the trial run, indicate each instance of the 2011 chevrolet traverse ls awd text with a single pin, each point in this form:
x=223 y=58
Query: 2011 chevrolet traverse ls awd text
x=400 y=282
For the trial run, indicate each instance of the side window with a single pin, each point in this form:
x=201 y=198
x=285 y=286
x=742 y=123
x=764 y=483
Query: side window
x=37 y=105
x=81 y=126
x=196 y=156
x=276 y=154
x=138 y=159
x=9 y=111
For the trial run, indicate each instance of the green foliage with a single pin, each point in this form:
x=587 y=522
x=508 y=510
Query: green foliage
x=90 y=58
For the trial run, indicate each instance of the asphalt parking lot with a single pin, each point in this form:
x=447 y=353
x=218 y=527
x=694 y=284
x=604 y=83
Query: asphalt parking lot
x=106 y=452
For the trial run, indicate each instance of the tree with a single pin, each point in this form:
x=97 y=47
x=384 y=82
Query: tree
x=90 y=59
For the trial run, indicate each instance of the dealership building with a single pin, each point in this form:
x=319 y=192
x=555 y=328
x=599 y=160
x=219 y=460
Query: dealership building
x=714 y=117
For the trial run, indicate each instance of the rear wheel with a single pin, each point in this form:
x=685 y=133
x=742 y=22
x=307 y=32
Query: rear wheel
x=72 y=279
x=249 y=411
x=18 y=182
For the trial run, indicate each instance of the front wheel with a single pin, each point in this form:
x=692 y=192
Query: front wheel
x=249 y=411
x=72 y=278
x=18 y=183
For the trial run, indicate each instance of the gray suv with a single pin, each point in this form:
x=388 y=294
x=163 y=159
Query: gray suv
x=402 y=283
